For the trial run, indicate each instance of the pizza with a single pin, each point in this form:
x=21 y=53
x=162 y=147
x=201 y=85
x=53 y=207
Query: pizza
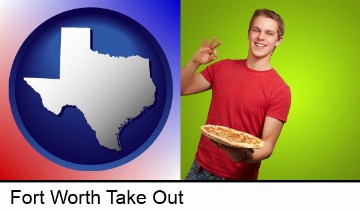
x=231 y=137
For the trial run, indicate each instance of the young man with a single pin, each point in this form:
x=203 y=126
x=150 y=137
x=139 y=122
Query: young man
x=247 y=95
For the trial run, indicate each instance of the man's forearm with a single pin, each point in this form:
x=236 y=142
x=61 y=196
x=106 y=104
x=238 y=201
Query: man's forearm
x=187 y=74
x=259 y=155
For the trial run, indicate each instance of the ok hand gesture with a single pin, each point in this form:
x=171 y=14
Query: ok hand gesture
x=207 y=52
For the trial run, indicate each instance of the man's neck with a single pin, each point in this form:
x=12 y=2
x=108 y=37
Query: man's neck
x=259 y=64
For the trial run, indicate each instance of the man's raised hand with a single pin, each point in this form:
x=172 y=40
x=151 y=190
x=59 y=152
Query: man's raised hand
x=207 y=52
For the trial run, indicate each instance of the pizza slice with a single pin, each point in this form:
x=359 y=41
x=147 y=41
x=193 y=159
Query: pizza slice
x=231 y=137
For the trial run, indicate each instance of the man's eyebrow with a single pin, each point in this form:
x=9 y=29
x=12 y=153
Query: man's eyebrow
x=267 y=30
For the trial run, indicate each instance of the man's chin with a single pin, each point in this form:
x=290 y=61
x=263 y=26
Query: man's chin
x=261 y=54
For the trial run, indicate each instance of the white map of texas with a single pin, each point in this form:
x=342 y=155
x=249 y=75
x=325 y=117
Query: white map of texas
x=108 y=90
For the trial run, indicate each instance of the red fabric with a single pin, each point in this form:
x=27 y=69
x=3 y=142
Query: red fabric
x=241 y=99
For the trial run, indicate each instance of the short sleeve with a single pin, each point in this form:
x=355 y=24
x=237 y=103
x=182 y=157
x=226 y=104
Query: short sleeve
x=209 y=72
x=280 y=104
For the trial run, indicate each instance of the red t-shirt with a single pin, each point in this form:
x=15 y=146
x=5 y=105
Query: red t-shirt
x=241 y=99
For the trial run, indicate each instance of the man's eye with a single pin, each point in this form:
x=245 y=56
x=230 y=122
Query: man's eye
x=270 y=33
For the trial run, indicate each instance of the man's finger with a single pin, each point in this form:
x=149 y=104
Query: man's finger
x=216 y=45
x=212 y=58
x=204 y=42
x=205 y=50
x=215 y=53
x=212 y=41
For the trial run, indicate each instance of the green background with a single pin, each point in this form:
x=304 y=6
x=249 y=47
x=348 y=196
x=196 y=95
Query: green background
x=319 y=60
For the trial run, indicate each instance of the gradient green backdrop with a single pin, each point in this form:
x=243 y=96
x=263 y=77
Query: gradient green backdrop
x=318 y=58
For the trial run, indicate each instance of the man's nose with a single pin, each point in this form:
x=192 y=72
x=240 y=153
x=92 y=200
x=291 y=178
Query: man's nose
x=261 y=36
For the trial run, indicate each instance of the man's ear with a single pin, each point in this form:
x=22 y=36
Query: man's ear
x=279 y=41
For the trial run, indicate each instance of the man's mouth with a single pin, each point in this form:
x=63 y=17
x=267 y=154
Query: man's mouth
x=260 y=44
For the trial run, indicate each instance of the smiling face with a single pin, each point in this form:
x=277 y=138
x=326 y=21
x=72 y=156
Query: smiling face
x=263 y=38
